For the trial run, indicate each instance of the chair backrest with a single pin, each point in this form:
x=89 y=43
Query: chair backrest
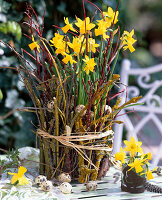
x=149 y=83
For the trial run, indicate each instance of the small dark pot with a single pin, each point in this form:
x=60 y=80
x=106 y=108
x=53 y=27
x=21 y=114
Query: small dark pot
x=132 y=182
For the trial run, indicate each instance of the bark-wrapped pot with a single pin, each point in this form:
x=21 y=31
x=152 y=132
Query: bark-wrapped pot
x=131 y=181
x=73 y=156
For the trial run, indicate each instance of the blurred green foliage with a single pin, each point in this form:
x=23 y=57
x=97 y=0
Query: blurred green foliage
x=11 y=27
x=144 y=16
x=1 y=95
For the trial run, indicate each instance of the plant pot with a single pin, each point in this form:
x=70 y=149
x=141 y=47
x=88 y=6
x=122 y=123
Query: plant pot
x=132 y=182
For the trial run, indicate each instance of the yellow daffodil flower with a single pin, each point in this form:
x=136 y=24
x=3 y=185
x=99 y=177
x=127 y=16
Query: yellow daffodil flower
x=68 y=58
x=92 y=45
x=147 y=156
x=120 y=156
x=137 y=165
x=58 y=42
x=90 y=63
x=128 y=40
x=56 y=39
x=19 y=176
x=102 y=29
x=62 y=48
x=34 y=45
x=77 y=44
x=68 y=26
x=109 y=16
x=81 y=25
x=149 y=174
x=133 y=146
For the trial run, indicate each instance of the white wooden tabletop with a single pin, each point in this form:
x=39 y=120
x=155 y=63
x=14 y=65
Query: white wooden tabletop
x=107 y=189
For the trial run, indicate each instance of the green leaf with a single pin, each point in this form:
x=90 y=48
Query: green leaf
x=11 y=27
x=15 y=29
x=3 y=28
x=1 y=95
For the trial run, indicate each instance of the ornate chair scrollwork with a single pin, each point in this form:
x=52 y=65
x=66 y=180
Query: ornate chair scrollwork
x=148 y=83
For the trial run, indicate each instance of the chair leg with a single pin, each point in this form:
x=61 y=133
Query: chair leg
x=118 y=133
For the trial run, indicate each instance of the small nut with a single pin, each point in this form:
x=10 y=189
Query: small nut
x=46 y=186
x=91 y=186
x=64 y=177
x=91 y=115
x=40 y=179
x=66 y=188
x=108 y=110
x=79 y=108
x=50 y=106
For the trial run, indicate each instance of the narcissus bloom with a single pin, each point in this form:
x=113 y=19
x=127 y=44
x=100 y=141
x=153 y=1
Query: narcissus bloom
x=68 y=26
x=34 y=45
x=147 y=156
x=120 y=156
x=19 y=176
x=68 y=58
x=90 y=63
x=128 y=40
x=92 y=45
x=133 y=146
x=81 y=25
x=61 y=48
x=77 y=44
x=102 y=29
x=109 y=16
x=137 y=165
x=56 y=39
x=58 y=42
x=149 y=174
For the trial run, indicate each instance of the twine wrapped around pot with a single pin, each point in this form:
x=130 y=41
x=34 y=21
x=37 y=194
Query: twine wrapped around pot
x=88 y=164
x=132 y=182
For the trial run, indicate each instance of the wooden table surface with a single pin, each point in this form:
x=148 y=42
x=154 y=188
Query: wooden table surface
x=107 y=189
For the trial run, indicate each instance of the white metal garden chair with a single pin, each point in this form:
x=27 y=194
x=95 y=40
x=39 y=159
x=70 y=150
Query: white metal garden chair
x=152 y=107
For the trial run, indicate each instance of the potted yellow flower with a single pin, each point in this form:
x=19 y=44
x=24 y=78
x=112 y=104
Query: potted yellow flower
x=135 y=167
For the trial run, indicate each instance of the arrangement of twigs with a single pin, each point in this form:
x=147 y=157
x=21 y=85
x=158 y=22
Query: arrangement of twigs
x=71 y=96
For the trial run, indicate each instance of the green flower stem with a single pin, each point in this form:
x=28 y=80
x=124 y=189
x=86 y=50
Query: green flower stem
x=113 y=67
x=108 y=55
x=80 y=81
x=55 y=65
x=101 y=49
x=131 y=159
x=87 y=43
x=47 y=66
x=97 y=73
x=58 y=62
x=87 y=86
